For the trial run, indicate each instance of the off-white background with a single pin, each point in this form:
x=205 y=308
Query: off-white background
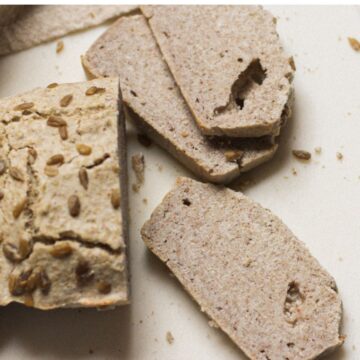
x=321 y=204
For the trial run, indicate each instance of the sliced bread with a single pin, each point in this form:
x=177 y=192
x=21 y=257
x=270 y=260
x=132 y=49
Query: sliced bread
x=229 y=65
x=63 y=209
x=247 y=271
x=128 y=49
x=37 y=24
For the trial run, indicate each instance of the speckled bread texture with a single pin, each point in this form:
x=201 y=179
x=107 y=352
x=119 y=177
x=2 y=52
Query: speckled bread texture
x=247 y=271
x=8 y=13
x=63 y=218
x=229 y=65
x=41 y=23
x=129 y=50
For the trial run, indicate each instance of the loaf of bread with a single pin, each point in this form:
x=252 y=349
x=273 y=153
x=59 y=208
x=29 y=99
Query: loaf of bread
x=63 y=218
x=247 y=271
x=128 y=49
x=229 y=65
x=37 y=24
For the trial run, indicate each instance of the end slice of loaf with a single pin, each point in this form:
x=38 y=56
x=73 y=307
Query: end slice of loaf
x=247 y=271
x=229 y=65
x=128 y=49
x=37 y=24
x=63 y=210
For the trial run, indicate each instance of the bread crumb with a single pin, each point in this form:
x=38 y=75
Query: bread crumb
x=293 y=171
x=354 y=43
x=232 y=155
x=144 y=140
x=339 y=155
x=59 y=46
x=138 y=165
x=136 y=188
x=213 y=324
x=302 y=154
x=145 y=201
x=184 y=134
x=169 y=337
x=318 y=150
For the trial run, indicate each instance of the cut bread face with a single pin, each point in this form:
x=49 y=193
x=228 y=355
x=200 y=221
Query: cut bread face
x=63 y=218
x=247 y=271
x=37 y=24
x=229 y=65
x=128 y=49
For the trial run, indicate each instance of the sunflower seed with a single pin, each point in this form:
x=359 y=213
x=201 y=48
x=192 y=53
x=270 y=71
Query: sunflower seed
x=63 y=132
x=15 y=287
x=83 y=272
x=57 y=159
x=16 y=173
x=17 y=253
x=56 y=121
x=61 y=250
x=32 y=155
x=59 y=46
x=84 y=178
x=74 y=205
x=24 y=106
x=301 y=154
x=52 y=85
x=2 y=167
x=28 y=300
x=66 y=100
x=115 y=199
x=51 y=171
x=232 y=155
x=83 y=149
x=94 y=90
x=18 y=208
x=44 y=282
x=104 y=287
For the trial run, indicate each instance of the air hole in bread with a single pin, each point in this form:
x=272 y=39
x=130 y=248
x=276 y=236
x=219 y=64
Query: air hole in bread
x=186 y=202
x=252 y=77
x=294 y=299
x=290 y=344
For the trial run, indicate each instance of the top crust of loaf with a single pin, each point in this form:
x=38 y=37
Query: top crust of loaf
x=247 y=271
x=228 y=63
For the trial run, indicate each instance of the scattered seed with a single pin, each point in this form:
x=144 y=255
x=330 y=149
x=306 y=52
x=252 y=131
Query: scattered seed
x=144 y=140
x=292 y=63
x=18 y=208
x=44 y=282
x=52 y=85
x=301 y=154
x=104 y=287
x=59 y=46
x=232 y=155
x=2 y=167
x=83 y=149
x=83 y=272
x=26 y=112
x=94 y=90
x=61 y=251
x=169 y=337
x=15 y=287
x=63 y=132
x=74 y=205
x=66 y=100
x=339 y=155
x=115 y=198
x=16 y=174
x=1 y=195
x=56 y=121
x=32 y=155
x=57 y=159
x=84 y=178
x=25 y=248
x=318 y=150
x=24 y=106
x=16 y=253
x=354 y=43
x=68 y=234
x=51 y=171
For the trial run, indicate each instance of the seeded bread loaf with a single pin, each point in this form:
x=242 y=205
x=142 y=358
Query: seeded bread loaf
x=247 y=271
x=228 y=64
x=63 y=218
x=129 y=50
x=37 y=24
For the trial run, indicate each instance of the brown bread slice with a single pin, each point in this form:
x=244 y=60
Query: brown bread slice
x=229 y=65
x=63 y=213
x=37 y=24
x=129 y=50
x=247 y=271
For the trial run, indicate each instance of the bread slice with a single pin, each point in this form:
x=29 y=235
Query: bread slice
x=228 y=64
x=9 y=13
x=128 y=49
x=63 y=218
x=37 y=24
x=247 y=271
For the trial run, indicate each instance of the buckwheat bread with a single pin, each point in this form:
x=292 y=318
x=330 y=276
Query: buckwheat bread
x=37 y=24
x=229 y=65
x=63 y=218
x=129 y=50
x=247 y=271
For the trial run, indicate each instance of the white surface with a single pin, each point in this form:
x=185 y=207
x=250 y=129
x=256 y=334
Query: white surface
x=321 y=204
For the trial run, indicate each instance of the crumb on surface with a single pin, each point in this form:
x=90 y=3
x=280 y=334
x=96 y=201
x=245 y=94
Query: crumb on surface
x=354 y=43
x=318 y=150
x=136 y=187
x=293 y=171
x=339 y=155
x=138 y=165
x=160 y=167
x=302 y=154
x=169 y=337
x=59 y=46
x=145 y=201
